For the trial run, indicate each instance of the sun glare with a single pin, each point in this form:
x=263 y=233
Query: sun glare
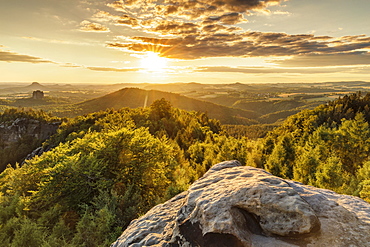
x=153 y=63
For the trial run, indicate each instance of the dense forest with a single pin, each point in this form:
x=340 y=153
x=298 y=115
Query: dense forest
x=109 y=167
x=327 y=147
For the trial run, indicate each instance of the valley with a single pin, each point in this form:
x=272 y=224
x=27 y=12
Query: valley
x=76 y=171
x=236 y=103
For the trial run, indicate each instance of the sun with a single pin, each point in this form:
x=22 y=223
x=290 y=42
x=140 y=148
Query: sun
x=153 y=63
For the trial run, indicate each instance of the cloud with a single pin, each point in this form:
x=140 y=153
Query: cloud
x=279 y=12
x=55 y=41
x=268 y=70
x=118 y=5
x=104 y=16
x=7 y=56
x=227 y=19
x=319 y=60
x=193 y=9
x=176 y=28
x=70 y=65
x=87 y=26
x=107 y=69
x=210 y=43
x=149 y=13
x=189 y=29
x=128 y=21
x=361 y=70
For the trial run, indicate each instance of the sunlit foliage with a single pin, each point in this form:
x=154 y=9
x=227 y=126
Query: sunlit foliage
x=109 y=167
x=327 y=147
x=104 y=170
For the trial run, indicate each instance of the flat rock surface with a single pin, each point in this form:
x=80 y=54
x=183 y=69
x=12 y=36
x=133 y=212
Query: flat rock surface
x=234 y=205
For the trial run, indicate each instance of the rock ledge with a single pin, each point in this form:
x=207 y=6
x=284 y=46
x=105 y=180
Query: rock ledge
x=234 y=205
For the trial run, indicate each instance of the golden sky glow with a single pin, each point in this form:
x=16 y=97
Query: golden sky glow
x=207 y=41
x=153 y=62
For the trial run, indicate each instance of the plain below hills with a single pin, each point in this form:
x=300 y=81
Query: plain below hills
x=242 y=112
x=236 y=103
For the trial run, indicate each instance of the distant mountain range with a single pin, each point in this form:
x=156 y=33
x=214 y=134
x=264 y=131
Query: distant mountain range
x=135 y=97
x=234 y=103
x=32 y=87
x=241 y=112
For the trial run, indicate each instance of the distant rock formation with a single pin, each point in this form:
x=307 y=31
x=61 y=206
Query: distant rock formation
x=38 y=94
x=234 y=205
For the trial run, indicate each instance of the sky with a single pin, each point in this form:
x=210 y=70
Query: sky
x=205 y=41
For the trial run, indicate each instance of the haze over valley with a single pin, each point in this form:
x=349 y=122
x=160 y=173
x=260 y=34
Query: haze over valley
x=235 y=103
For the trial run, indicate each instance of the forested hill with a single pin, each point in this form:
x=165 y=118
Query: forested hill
x=106 y=169
x=328 y=147
x=109 y=167
x=135 y=97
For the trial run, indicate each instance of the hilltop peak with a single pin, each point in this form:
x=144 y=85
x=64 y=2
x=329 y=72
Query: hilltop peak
x=35 y=86
x=35 y=83
x=135 y=97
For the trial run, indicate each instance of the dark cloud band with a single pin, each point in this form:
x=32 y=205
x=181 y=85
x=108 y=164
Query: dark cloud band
x=6 y=56
x=249 y=44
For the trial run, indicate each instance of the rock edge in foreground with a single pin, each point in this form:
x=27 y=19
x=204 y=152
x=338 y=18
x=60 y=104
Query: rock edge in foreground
x=234 y=205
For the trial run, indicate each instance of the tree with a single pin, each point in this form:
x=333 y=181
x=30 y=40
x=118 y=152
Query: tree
x=160 y=109
x=363 y=176
x=280 y=162
x=330 y=175
x=353 y=142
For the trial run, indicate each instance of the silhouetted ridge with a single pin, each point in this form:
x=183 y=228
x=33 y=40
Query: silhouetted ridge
x=35 y=86
x=134 y=97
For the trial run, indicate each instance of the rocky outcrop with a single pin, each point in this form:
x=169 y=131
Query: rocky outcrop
x=234 y=205
x=20 y=139
x=13 y=131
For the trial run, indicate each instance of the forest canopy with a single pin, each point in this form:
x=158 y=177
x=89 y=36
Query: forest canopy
x=106 y=168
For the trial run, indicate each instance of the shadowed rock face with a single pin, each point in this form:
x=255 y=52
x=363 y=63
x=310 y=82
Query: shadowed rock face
x=233 y=205
x=13 y=131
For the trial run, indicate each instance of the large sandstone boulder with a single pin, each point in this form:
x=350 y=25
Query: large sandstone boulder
x=234 y=205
